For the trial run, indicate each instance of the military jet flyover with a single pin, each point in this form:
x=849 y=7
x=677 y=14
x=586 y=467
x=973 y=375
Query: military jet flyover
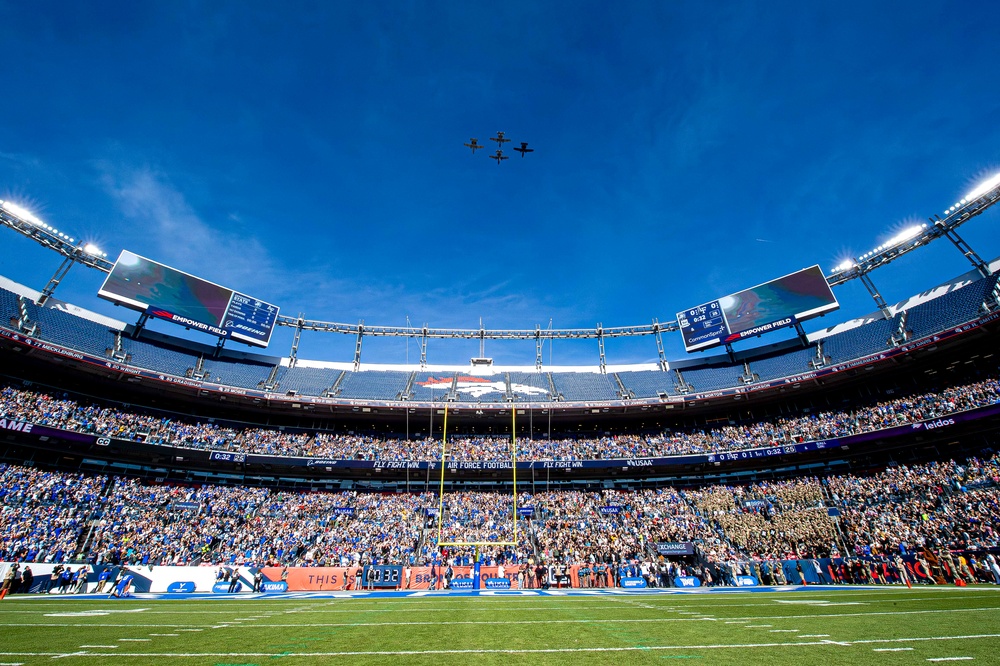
x=500 y=139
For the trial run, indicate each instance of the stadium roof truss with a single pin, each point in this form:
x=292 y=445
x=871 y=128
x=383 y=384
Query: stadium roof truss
x=976 y=202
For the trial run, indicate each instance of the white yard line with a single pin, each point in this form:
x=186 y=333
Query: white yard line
x=472 y=651
x=804 y=617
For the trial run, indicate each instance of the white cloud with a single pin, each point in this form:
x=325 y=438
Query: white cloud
x=166 y=227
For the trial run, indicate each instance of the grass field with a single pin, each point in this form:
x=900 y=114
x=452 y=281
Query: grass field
x=858 y=626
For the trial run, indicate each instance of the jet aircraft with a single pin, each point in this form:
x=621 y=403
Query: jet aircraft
x=500 y=156
x=474 y=144
x=499 y=139
x=524 y=148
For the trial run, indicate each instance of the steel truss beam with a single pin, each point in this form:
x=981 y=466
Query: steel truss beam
x=946 y=227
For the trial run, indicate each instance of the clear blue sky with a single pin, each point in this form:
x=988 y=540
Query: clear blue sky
x=311 y=154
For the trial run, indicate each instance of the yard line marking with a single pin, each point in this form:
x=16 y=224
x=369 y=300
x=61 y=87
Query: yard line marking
x=135 y=640
x=225 y=625
x=113 y=647
x=814 y=635
x=890 y=649
x=784 y=631
x=924 y=638
x=92 y=624
x=644 y=648
x=952 y=659
x=164 y=634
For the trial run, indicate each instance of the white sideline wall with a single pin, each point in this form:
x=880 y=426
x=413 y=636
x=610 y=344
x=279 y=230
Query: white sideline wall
x=146 y=579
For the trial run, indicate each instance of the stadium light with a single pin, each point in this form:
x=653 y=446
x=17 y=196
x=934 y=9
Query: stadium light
x=90 y=248
x=906 y=235
x=845 y=265
x=982 y=188
x=22 y=213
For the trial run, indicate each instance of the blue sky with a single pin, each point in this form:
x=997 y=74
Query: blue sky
x=311 y=155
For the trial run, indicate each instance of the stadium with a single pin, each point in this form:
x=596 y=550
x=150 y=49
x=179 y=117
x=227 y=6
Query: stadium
x=782 y=449
x=861 y=455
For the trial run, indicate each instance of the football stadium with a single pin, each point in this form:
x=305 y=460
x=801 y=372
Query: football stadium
x=155 y=487
x=801 y=465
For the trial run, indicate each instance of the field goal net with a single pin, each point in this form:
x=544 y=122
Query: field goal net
x=467 y=521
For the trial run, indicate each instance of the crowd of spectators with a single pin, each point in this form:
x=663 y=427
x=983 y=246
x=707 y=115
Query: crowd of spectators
x=614 y=526
x=770 y=520
x=42 y=514
x=905 y=509
x=143 y=523
x=63 y=412
x=928 y=510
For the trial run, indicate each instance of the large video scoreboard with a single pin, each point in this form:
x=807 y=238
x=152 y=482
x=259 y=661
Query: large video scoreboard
x=761 y=309
x=167 y=293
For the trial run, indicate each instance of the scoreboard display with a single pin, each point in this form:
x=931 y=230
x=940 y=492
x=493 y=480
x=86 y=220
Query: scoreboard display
x=167 y=293
x=702 y=326
x=767 y=307
x=383 y=575
x=250 y=320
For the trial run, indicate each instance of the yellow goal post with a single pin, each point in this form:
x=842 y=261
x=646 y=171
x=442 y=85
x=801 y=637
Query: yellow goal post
x=444 y=463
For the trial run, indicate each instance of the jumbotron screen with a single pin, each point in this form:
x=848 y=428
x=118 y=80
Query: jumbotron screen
x=167 y=293
x=761 y=309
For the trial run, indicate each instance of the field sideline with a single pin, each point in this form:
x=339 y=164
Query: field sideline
x=892 y=625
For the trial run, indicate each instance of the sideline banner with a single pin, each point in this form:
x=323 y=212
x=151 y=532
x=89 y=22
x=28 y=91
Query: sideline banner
x=633 y=582
x=318 y=579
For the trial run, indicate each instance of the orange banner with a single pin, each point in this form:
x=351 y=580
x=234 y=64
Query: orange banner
x=325 y=579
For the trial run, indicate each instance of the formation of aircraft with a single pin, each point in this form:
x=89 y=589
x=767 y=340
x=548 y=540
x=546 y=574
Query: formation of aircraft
x=500 y=139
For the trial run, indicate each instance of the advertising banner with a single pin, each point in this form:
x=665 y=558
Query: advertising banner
x=668 y=548
x=497 y=584
x=633 y=582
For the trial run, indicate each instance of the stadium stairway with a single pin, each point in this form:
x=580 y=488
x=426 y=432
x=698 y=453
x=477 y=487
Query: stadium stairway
x=830 y=503
x=85 y=541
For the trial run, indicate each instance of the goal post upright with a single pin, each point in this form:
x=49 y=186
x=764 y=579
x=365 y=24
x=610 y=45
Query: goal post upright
x=444 y=448
x=513 y=462
x=444 y=458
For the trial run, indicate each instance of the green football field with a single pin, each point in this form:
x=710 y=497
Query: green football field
x=924 y=625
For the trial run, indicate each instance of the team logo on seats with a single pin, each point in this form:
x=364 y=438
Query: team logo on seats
x=477 y=387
